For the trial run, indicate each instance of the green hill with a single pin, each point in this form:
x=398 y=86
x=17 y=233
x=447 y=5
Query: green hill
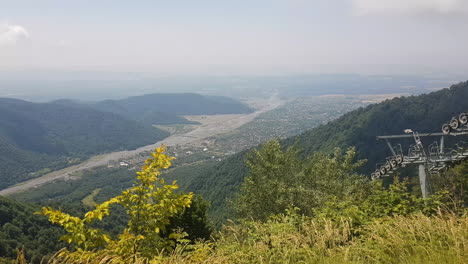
x=17 y=164
x=424 y=113
x=164 y=109
x=19 y=228
x=34 y=136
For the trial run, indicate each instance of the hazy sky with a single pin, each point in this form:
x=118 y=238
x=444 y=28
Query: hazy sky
x=235 y=36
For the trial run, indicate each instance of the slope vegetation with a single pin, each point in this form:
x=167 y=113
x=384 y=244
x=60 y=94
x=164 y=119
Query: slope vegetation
x=35 y=136
x=19 y=228
x=423 y=113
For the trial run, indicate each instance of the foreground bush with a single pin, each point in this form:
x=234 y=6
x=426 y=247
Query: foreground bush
x=149 y=205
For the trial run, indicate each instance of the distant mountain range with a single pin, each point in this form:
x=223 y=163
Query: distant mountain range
x=36 y=136
x=167 y=108
x=95 y=86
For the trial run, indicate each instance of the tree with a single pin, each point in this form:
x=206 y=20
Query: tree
x=455 y=181
x=266 y=189
x=194 y=220
x=279 y=179
x=150 y=205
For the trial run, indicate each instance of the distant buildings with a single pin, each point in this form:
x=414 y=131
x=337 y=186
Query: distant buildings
x=114 y=164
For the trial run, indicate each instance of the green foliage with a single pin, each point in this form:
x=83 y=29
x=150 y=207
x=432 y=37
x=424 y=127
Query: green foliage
x=455 y=181
x=149 y=205
x=397 y=200
x=20 y=228
x=279 y=179
x=268 y=188
x=18 y=165
x=215 y=181
x=376 y=225
x=78 y=196
x=194 y=221
x=399 y=228
x=377 y=202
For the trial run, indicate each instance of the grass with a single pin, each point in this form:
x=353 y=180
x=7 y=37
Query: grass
x=414 y=239
x=294 y=239
x=89 y=200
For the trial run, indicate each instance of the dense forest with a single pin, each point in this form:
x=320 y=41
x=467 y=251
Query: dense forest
x=163 y=109
x=20 y=228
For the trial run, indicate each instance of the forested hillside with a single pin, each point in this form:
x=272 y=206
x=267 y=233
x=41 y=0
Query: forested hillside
x=16 y=164
x=359 y=128
x=166 y=109
x=36 y=136
x=424 y=113
x=19 y=228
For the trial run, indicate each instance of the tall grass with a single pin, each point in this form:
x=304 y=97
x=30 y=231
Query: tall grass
x=294 y=239
x=413 y=239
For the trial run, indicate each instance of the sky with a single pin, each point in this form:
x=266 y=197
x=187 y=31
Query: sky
x=235 y=37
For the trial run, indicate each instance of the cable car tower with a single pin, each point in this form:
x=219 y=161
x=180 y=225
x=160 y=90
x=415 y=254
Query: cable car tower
x=433 y=159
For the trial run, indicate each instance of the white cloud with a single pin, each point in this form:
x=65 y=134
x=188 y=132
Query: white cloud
x=11 y=34
x=365 y=7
